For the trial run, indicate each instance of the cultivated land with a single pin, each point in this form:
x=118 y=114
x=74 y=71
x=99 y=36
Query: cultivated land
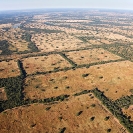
x=66 y=71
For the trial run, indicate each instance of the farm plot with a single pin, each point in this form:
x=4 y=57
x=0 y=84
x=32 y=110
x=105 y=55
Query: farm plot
x=2 y=94
x=54 y=84
x=57 y=42
x=44 y=63
x=9 y=69
x=111 y=78
x=78 y=114
x=91 y=56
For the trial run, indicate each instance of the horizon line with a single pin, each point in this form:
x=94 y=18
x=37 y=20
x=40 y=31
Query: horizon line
x=65 y=8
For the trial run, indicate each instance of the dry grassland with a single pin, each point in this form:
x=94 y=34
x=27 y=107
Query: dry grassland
x=109 y=78
x=9 y=69
x=56 y=42
x=44 y=63
x=79 y=114
x=91 y=56
x=13 y=36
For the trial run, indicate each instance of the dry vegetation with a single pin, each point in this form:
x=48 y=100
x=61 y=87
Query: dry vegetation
x=9 y=69
x=13 y=36
x=44 y=63
x=79 y=114
x=91 y=56
x=50 y=54
x=57 y=42
x=109 y=78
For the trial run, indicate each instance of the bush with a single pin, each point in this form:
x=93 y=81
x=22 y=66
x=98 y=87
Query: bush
x=106 y=118
x=85 y=75
x=92 y=118
x=79 y=113
x=108 y=130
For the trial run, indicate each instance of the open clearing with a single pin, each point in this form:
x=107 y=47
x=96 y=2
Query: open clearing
x=79 y=114
x=59 y=58
x=91 y=56
x=44 y=63
x=9 y=69
x=57 y=41
x=109 y=78
x=13 y=36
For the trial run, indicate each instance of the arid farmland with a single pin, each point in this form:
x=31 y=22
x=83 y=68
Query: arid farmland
x=66 y=72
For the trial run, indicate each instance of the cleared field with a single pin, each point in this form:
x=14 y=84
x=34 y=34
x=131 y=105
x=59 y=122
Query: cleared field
x=44 y=86
x=91 y=56
x=44 y=63
x=13 y=36
x=9 y=69
x=109 y=78
x=2 y=94
x=57 y=42
x=79 y=114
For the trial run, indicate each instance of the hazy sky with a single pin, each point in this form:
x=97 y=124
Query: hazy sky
x=29 y=4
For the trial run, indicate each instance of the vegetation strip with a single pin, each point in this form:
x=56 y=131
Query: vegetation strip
x=69 y=60
x=114 y=109
x=124 y=101
x=120 y=50
x=76 y=67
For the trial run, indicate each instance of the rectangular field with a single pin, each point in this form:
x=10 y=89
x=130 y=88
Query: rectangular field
x=91 y=56
x=79 y=114
x=57 y=41
x=109 y=78
x=44 y=63
x=9 y=69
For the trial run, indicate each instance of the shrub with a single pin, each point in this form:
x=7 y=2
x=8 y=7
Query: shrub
x=79 y=113
x=62 y=130
x=48 y=108
x=106 y=118
x=108 y=130
x=92 y=118
x=85 y=75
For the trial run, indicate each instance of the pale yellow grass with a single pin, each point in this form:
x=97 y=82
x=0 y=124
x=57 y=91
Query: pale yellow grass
x=9 y=69
x=44 y=63
x=111 y=78
x=35 y=118
x=91 y=56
